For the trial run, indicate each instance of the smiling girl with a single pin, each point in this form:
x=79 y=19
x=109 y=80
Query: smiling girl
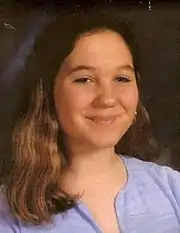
x=79 y=135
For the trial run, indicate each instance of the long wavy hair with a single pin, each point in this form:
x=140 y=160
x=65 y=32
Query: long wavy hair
x=31 y=178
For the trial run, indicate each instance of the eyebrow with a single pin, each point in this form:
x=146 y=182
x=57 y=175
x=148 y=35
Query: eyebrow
x=91 y=68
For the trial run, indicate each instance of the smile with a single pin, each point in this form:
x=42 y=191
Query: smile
x=106 y=121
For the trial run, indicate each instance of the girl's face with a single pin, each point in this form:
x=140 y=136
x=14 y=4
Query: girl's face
x=95 y=91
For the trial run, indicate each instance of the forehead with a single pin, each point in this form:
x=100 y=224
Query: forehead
x=103 y=48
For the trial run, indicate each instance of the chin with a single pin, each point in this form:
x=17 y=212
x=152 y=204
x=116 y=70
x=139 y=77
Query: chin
x=105 y=142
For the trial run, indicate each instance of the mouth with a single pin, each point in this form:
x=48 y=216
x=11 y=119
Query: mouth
x=104 y=121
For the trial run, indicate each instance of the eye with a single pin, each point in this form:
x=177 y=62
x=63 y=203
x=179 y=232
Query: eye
x=123 y=79
x=82 y=80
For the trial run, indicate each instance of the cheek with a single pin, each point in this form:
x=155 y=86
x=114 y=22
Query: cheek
x=80 y=97
x=71 y=104
x=71 y=101
x=65 y=105
x=129 y=99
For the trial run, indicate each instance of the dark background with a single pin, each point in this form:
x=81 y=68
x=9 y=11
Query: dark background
x=156 y=25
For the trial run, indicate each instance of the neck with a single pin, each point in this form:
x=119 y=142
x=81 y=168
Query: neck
x=89 y=168
x=87 y=160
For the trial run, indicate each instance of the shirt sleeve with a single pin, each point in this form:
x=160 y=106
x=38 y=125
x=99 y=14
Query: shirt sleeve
x=174 y=183
x=7 y=223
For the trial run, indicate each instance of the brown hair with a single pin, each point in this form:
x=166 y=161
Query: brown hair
x=31 y=179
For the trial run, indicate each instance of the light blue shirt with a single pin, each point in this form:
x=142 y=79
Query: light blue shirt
x=149 y=203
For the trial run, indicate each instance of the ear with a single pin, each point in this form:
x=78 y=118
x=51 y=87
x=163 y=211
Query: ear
x=137 y=76
x=135 y=117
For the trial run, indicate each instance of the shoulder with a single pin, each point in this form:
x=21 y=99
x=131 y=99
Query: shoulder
x=7 y=222
x=151 y=168
x=167 y=179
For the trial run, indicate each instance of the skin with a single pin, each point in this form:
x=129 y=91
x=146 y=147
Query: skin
x=96 y=97
x=96 y=105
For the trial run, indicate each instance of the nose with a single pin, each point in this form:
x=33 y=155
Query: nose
x=105 y=97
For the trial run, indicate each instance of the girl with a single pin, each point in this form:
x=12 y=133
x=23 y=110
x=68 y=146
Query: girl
x=79 y=126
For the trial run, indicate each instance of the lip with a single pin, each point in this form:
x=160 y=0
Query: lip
x=103 y=120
